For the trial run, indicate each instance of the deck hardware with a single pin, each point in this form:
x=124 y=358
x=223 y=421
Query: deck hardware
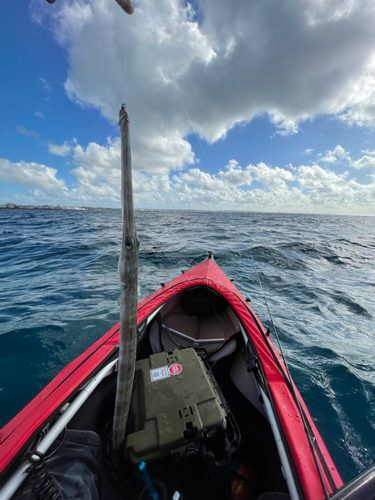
x=251 y=359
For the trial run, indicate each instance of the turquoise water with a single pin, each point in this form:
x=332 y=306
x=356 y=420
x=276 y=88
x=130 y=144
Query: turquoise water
x=59 y=290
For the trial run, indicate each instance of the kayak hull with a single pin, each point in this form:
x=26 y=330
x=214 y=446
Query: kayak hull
x=15 y=436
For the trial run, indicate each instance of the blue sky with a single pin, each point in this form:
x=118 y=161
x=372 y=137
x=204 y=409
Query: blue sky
x=281 y=97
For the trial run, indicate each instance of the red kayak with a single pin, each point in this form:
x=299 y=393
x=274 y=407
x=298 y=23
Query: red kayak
x=214 y=412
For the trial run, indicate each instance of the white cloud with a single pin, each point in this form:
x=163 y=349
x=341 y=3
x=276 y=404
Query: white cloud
x=44 y=83
x=97 y=172
x=285 y=126
x=232 y=177
x=290 y=60
x=337 y=154
x=31 y=175
x=62 y=150
x=336 y=192
x=27 y=133
x=39 y=114
x=308 y=151
x=358 y=100
x=272 y=177
x=315 y=177
x=98 y=176
x=308 y=189
x=365 y=162
x=158 y=131
x=159 y=154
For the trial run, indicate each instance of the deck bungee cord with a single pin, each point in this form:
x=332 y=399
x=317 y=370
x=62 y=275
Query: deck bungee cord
x=42 y=481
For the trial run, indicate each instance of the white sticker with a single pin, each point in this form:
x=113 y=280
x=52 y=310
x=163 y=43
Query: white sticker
x=159 y=373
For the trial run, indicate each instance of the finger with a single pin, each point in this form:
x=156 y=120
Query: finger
x=126 y=5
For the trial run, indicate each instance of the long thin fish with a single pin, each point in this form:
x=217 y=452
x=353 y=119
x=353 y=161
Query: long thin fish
x=128 y=271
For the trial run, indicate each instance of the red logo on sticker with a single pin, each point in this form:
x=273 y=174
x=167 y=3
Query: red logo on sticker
x=175 y=369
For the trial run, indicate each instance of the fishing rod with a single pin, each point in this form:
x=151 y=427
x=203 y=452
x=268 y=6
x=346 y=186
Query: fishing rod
x=310 y=437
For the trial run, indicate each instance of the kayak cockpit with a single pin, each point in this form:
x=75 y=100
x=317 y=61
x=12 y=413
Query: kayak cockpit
x=198 y=317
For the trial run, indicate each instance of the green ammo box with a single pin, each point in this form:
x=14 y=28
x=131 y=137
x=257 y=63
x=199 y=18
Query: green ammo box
x=173 y=400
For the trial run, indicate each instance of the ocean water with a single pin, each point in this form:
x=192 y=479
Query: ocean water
x=59 y=290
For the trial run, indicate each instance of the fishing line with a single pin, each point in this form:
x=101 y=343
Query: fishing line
x=192 y=126
x=178 y=92
x=181 y=101
x=124 y=67
x=140 y=291
x=125 y=59
x=311 y=438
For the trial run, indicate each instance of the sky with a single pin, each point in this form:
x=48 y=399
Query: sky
x=234 y=105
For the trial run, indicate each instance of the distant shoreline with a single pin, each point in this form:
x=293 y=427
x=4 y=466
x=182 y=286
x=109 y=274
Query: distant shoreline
x=13 y=206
